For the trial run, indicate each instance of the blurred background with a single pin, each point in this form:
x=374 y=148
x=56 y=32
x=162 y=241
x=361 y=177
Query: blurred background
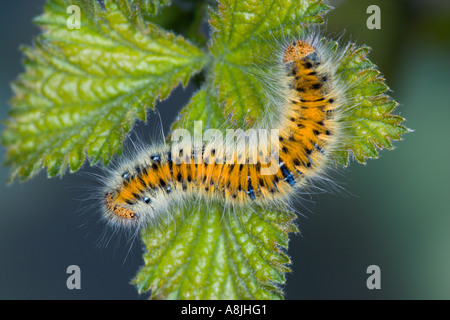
x=394 y=212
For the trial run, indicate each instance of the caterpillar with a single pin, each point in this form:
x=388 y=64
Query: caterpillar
x=140 y=189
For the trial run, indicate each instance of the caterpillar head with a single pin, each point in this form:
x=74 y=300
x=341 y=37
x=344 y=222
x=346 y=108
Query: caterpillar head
x=135 y=212
x=118 y=210
x=297 y=50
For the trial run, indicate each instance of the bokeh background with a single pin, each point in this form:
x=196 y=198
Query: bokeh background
x=394 y=212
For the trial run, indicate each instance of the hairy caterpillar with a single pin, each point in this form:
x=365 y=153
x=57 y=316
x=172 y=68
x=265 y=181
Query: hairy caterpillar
x=138 y=190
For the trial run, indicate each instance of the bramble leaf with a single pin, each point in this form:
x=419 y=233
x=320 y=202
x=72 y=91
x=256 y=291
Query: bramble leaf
x=243 y=38
x=203 y=106
x=84 y=88
x=368 y=123
x=207 y=252
x=149 y=8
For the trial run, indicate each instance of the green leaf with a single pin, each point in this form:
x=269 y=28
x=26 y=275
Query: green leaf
x=368 y=123
x=149 y=8
x=244 y=37
x=84 y=88
x=207 y=252
x=203 y=107
x=185 y=18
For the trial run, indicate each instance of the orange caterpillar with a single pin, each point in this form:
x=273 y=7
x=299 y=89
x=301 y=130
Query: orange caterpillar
x=140 y=189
